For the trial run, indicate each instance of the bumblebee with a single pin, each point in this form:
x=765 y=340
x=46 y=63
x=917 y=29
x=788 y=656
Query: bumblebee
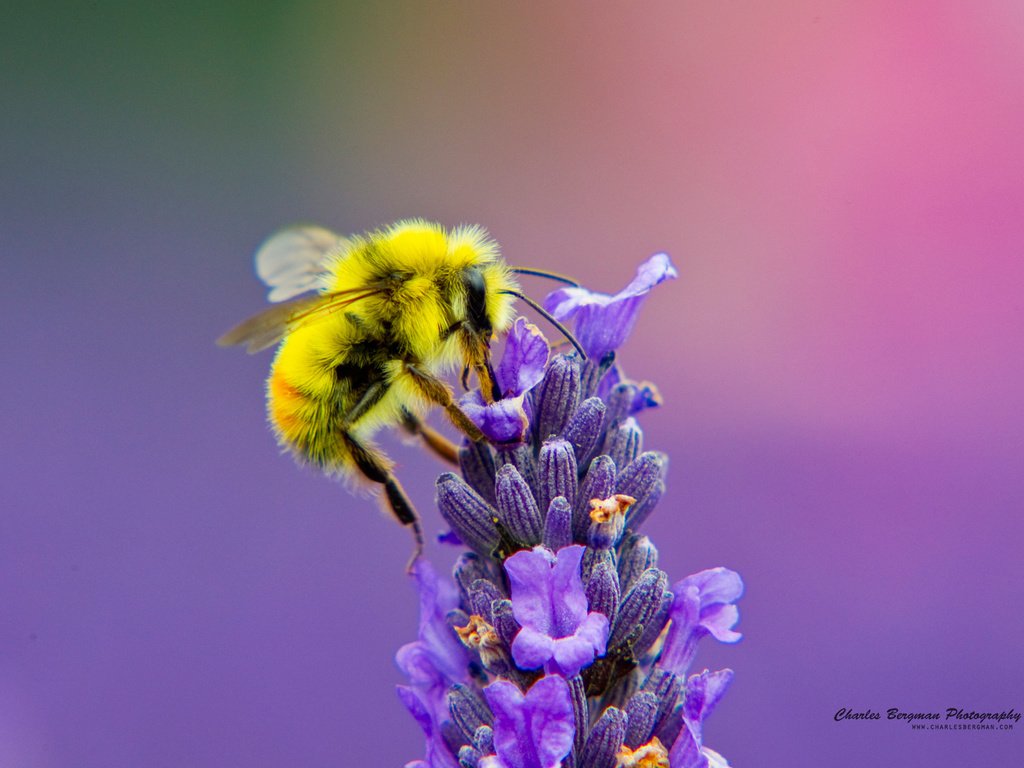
x=367 y=327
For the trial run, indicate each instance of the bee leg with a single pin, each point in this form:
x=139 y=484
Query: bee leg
x=433 y=439
x=374 y=466
x=436 y=391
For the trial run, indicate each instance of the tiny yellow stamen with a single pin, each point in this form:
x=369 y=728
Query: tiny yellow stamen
x=603 y=510
x=481 y=637
x=650 y=755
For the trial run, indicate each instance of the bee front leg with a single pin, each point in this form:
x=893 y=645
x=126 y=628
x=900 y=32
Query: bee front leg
x=436 y=391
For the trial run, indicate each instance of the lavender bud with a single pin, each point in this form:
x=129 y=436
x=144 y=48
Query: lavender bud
x=640 y=713
x=558 y=524
x=592 y=559
x=468 y=568
x=624 y=442
x=599 y=483
x=516 y=506
x=655 y=625
x=477 y=464
x=636 y=556
x=605 y=740
x=620 y=402
x=667 y=688
x=584 y=428
x=469 y=757
x=581 y=714
x=452 y=736
x=557 y=472
x=505 y=624
x=467 y=513
x=639 y=605
x=520 y=457
x=670 y=726
x=483 y=740
x=638 y=479
x=558 y=395
x=468 y=710
x=640 y=511
x=593 y=371
x=482 y=595
x=603 y=590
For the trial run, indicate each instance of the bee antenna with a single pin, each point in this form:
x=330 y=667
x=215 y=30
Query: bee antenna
x=547 y=316
x=544 y=273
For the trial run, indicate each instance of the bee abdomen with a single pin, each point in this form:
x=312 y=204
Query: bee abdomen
x=304 y=425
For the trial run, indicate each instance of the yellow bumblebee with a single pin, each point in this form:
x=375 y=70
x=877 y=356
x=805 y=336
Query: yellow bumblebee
x=368 y=324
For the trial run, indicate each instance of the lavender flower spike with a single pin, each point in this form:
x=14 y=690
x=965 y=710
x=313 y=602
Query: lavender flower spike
x=549 y=602
x=558 y=643
x=603 y=322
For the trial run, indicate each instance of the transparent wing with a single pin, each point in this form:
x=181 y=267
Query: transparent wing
x=292 y=261
x=271 y=325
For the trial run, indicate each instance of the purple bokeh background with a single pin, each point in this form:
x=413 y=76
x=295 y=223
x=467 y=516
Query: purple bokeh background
x=841 y=186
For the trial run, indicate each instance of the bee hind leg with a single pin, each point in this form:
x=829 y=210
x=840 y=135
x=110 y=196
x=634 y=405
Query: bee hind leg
x=433 y=439
x=374 y=467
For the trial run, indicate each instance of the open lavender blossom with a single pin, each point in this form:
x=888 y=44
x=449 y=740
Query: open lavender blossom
x=603 y=322
x=550 y=605
x=559 y=642
x=521 y=369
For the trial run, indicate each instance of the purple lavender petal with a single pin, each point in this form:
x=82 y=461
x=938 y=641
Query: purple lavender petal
x=686 y=752
x=438 y=755
x=570 y=655
x=549 y=602
x=529 y=575
x=602 y=322
x=702 y=606
x=503 y=421
x=703 y=692
x=532 y=649
x=719 y=621
x=433 y=662
x=522 y=365
x=569 y=604
x=534 y=730
x=438 y=597
x=716 y=585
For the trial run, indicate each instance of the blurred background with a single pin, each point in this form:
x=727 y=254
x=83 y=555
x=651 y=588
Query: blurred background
x=840 y=187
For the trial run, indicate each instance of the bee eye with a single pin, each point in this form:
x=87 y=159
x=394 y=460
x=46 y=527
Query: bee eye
x=476 y=300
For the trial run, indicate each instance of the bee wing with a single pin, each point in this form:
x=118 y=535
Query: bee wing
x=271 y=325
x=293 y=260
